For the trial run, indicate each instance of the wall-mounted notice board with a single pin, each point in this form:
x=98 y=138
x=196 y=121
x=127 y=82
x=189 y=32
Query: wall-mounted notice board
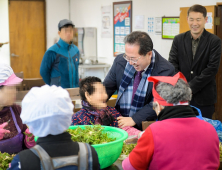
x=170 y=27
x=122 y=25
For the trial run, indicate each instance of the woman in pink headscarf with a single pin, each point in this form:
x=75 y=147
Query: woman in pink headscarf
x=12 y=139
x=178 y=140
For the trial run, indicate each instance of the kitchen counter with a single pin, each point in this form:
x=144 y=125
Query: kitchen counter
x=99 y=70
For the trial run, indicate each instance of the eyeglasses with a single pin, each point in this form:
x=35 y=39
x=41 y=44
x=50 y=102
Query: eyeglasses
x=130 y=59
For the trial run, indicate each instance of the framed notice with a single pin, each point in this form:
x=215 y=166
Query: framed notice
x=170 y=27
x=122 y=25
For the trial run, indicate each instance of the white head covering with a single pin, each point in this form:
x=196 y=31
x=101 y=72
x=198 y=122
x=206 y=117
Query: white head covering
x=7 y=76
x=47 y=110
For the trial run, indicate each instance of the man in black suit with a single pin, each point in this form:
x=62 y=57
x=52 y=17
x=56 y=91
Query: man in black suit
x=196 y=53
x=128 y=75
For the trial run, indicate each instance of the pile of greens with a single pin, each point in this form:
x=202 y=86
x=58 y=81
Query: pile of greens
x=5 y=159
x=127 y=148
x=91 y=135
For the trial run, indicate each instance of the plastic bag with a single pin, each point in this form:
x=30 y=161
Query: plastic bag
x=217 y=125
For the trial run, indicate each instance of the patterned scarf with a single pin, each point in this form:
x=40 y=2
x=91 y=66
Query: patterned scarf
x=102 y=116
x=124 y=100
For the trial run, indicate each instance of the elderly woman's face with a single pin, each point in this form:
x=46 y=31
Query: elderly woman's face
x=7 y=95
x=99 y=97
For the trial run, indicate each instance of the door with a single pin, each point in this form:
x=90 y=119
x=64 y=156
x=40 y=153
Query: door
x=27 y=36
x=218 y=108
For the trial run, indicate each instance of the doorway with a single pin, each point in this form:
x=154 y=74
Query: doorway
x=218 y=105
x=27 y=31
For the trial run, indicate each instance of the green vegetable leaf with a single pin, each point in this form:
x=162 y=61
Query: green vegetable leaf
x=5 y=159
x=91 y=134
x=29 y=135
x=127 y=148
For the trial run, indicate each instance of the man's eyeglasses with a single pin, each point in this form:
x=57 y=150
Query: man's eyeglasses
x=130 y=59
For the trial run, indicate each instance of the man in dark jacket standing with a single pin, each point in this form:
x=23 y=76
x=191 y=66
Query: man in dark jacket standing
x=128 y=76
x=196 y=53
x=61 y=61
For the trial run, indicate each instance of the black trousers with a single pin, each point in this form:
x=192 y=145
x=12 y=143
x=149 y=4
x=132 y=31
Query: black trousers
x=207 y=110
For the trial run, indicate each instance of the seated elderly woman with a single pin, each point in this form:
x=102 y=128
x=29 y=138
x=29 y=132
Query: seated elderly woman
x=94 y=107
x=178 y=140
x=48 y=111
x=12 y=139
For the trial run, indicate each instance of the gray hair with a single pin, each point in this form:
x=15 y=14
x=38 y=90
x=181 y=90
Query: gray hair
x=181 y=92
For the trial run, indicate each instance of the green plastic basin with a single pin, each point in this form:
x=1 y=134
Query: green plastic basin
x=108 y=153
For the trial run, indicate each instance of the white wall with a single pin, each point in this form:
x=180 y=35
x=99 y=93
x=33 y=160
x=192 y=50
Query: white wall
x=87 y=13
x=4 y=32
x=159 y=8
x=56 y=10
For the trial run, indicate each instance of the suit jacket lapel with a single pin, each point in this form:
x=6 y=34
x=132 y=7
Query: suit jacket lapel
x=188 y=48
x=202 y=45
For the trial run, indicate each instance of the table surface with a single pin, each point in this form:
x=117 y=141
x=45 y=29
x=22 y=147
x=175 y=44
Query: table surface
x=74 y=98
x=94 y=66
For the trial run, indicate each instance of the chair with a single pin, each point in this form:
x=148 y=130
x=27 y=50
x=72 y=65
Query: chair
x=73 y=92
x=19 y=96
x=20 y=74
x=74 y=103
x=19 y=87
x=74 y=95
x=32 y=82
x=145 y=124
x=111 y=102
x=77 y=109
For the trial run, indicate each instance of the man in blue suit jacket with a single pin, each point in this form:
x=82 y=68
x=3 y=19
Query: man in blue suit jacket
x=61 y=61
x=134 y=100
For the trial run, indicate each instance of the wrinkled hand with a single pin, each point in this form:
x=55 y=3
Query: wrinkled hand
x=125 y=121
x=3 y=131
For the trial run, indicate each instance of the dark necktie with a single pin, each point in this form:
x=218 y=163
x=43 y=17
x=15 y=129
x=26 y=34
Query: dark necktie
x=136 y=82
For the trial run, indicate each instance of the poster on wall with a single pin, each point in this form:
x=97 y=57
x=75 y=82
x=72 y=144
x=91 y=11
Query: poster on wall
x=122 y=25
x=139 y=22
x=106 y=22
x=150 y=25
x=170 y=27
x=158 y=25
x=209 y=23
